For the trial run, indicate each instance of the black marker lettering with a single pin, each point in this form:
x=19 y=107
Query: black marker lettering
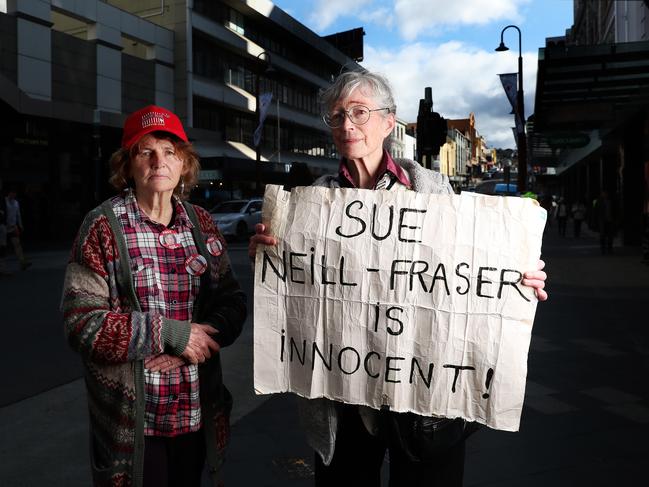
x=268 y=261
x=457 y=372
x=482 y=281
x=388 y=315
x=367 y=364
x=513 y=283
x=294 y=267
x=347 y=212
x=374 y=225
x=462 y=276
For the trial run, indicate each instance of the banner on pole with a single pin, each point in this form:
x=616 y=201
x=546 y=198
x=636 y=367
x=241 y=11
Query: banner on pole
x=264 y=103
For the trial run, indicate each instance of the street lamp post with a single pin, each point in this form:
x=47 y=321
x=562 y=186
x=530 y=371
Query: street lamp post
x=522 y=139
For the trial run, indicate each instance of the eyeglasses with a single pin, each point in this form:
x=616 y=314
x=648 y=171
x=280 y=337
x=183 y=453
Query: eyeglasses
x=358 y=115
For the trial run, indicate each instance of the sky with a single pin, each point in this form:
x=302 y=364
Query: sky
x=449 y=46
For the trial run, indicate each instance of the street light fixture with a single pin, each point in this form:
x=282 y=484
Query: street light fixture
x=268 y=70
x=522 y=139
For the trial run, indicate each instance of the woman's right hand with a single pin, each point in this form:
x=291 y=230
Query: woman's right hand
x=200 y=345
x=261 y=236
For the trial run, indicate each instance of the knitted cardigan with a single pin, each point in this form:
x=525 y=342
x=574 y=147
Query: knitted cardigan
x=319 y=417
x=104 y=323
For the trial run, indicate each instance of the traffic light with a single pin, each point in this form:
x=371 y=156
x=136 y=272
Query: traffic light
x=431 y=130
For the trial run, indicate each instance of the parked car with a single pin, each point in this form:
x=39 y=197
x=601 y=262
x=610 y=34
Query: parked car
x=505 y=189
x=237 y=218
x=497 y=187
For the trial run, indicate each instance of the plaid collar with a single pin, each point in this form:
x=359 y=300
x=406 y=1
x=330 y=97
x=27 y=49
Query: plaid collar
x=135 y=216
x=388 y=166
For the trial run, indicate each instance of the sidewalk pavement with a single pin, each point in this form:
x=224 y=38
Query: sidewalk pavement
x=585 y=419
x=583 y=424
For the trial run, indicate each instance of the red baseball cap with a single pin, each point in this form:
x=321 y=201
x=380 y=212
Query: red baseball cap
x=151 y=119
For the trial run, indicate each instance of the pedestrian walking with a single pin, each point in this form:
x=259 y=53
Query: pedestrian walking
x=645 y=232
x=350 y=441
x=14 y=224
x=149 y=300
x=605 y=213
x=578 y=213
x=553 y=210
x=3 y=237
x=562 y=216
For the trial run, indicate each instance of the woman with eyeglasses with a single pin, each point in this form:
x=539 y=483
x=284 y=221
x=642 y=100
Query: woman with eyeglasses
x=149 y=299
x=350 y=441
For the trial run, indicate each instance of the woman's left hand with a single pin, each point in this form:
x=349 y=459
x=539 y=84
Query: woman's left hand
x=536 y=279
x=163 y=363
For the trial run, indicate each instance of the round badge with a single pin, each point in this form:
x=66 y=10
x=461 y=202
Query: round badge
x=169 y=239
x=196 y=264
x=215 y=246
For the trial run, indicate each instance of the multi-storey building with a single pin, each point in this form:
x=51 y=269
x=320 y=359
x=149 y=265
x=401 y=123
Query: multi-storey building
x=71 y=71
x=462 y=157
x=447 y=157
x=403 y=145
x=591 y=114
x=467 y=127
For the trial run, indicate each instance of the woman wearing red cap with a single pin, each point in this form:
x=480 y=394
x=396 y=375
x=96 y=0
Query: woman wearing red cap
x=149 y=299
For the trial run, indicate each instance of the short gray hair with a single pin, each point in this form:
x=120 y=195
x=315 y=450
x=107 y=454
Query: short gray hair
x=378 y=86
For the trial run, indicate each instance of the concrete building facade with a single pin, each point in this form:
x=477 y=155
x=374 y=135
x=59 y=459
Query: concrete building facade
x=71 y=71
x=403 y=144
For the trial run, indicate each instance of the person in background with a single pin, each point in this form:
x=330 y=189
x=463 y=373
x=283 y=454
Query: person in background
x=645 y=232
x=14 y=223
x=350 y=441
x=149 y=300
x=605 y=214
x=645 y=217
x=562 y=216
x=3 y=235
x=578 y=213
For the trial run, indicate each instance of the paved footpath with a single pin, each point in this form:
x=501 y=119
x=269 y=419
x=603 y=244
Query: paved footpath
x=585 y=421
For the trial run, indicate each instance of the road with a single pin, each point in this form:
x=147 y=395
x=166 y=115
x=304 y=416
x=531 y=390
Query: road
x=585 y=418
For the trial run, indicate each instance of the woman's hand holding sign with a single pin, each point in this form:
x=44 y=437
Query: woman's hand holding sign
x=536 y=279
x=261 y=236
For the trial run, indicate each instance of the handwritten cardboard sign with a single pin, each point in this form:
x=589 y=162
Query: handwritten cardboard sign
x=398 y=298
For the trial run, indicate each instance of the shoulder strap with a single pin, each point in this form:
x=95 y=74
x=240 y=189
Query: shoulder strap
x=201 y=245
x=125 y=265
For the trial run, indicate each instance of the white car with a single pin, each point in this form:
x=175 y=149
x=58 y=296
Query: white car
x=237 y=218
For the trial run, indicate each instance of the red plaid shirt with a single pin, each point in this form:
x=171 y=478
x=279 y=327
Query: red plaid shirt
x=163 y=285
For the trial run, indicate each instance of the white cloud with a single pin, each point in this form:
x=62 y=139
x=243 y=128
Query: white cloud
x=381 y=16
x=326 y=12
x=463 y=79
x=416 y=16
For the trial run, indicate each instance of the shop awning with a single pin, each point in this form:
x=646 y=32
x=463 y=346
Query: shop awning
x=583 y=92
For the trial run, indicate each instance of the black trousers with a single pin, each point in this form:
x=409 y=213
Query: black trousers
x=358 y=458
x=174 y=462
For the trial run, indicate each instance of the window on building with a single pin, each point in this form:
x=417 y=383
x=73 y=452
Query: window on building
x=236 y=22
x=206 y=114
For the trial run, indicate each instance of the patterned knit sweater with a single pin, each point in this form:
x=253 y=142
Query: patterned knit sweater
x=104 y=323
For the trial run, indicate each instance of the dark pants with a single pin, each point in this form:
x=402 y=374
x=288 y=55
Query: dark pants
x=645 y=239
x=174 y=462
x=562 y=222
x=606 y=234
x=446 y=469
x=358 y=457
x=577 y=227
